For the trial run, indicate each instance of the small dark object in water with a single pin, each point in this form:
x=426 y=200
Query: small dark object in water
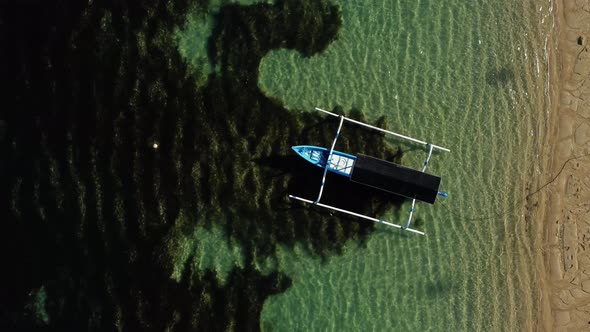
x=500 y=76
x=580 y=40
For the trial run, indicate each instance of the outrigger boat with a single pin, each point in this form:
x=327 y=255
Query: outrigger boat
x=374 y=172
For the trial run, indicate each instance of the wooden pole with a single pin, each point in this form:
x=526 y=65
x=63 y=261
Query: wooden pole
x=356 y=214
x=385 y=131
x=329 y=158
x=414 y=200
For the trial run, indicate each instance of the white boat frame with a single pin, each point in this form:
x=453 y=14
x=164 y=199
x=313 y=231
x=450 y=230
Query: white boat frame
x=406 y=227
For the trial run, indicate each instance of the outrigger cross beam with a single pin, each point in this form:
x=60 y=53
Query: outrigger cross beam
x=373 y=172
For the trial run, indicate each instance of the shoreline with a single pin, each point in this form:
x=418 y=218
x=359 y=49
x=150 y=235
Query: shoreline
x=564 y=209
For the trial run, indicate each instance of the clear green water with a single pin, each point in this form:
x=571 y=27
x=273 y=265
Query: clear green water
x=467 y=75
x=192 y=38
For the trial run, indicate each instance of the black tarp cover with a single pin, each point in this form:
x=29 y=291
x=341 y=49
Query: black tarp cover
x=394 y=178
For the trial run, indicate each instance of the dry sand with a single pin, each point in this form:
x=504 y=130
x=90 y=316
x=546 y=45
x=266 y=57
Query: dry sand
x=565 y=230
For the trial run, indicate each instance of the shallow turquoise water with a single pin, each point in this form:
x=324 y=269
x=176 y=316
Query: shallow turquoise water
x=467 y=75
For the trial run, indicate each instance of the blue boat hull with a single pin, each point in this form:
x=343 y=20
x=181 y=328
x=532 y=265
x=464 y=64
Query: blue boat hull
x=341 y=163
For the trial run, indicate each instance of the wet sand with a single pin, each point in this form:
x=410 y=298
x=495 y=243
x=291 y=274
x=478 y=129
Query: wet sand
x=565 y=210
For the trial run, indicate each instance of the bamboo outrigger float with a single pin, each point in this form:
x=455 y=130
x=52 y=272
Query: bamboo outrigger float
x=377 y=173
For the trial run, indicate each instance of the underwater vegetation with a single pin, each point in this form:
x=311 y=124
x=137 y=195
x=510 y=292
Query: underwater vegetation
x=110 y=139
x=500 y=77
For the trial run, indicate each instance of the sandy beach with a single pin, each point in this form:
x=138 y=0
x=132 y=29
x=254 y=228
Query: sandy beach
x=565 y=204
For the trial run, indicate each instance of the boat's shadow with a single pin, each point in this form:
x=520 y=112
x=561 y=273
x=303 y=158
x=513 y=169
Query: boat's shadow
x=305 y=179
